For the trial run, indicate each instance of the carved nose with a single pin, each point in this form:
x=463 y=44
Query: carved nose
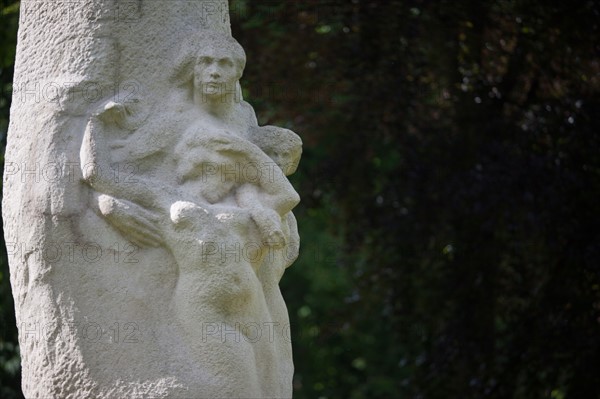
x=214 y=73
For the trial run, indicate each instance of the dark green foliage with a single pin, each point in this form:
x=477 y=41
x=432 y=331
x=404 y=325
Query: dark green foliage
x=450 y=175
x=10 y=372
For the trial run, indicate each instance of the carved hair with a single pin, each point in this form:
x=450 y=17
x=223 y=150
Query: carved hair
x=195 y=43
x=275 y=138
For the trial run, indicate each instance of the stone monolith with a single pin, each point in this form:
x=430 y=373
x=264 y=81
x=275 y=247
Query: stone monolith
x=148 y=217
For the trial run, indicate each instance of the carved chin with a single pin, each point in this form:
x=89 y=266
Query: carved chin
x=208 y=94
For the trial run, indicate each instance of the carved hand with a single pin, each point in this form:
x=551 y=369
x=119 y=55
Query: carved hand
x=136 y=223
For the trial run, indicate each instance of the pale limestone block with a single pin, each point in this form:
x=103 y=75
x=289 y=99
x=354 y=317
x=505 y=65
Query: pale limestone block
x=147 y=216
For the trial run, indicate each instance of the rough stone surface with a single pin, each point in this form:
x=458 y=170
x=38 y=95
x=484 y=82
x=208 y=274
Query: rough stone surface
x=147 y=215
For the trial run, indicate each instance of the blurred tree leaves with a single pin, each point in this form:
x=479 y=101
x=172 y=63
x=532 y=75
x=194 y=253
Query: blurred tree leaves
x=10 y=373
x=451 y=167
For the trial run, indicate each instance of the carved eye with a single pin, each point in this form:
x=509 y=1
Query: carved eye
x=226 y=62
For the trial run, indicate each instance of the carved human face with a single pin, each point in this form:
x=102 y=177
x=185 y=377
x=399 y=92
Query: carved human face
x=286 y=158
x=215 y=73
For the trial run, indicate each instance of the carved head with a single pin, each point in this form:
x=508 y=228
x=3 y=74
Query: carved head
x=282 y=145
x=211 y=61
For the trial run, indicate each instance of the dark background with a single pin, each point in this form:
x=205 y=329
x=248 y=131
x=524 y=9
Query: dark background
x=450 y=189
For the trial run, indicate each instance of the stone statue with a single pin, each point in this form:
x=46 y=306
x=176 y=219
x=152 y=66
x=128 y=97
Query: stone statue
x=222 y=192
x=203 y=218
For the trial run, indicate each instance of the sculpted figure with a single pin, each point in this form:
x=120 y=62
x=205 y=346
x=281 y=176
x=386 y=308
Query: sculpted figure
x=284 y=147
x=222 y=161
x=212 y=190
x=207 y=72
